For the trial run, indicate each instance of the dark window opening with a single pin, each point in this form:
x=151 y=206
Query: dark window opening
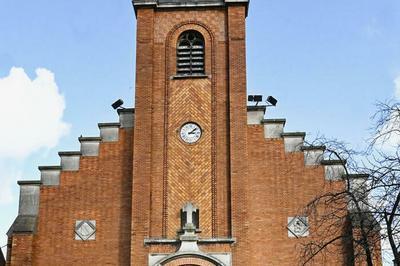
x=190 y=54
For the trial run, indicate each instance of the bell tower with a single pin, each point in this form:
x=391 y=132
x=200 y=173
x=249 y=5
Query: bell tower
x=190 y=132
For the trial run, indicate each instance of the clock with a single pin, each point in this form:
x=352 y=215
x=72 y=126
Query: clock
x=190 y=133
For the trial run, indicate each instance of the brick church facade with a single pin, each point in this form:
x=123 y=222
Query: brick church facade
x=192 y=175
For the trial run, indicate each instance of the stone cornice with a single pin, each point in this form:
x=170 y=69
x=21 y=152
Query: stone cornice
x=186 y=3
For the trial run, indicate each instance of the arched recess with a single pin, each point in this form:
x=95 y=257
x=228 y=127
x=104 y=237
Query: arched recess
x=210 y=75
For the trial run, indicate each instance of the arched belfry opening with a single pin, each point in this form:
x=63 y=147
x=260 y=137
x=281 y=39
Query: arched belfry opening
x=190 y=54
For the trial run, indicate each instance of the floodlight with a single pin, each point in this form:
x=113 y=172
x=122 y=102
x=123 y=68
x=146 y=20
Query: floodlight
x=272 y=100
x=117 y=104
x=258 y=98
x=255 y=98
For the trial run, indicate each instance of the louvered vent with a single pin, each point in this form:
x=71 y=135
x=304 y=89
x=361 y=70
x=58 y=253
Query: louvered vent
x=190 y=54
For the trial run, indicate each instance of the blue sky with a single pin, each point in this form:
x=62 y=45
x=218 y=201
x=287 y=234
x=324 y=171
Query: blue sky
x=327 y=62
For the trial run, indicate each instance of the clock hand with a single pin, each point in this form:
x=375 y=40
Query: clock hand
x=193 y=131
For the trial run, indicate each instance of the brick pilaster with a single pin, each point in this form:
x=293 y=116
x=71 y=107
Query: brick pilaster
x=142 y=137
x=238 y=130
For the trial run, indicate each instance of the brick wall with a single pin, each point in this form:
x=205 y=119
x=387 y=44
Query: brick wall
x=280 y=186
x=189 y=166
x=21 y=250
x=101 y=191
x=374 y=246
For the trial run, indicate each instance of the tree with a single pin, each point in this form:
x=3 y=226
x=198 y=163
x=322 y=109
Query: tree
x=384 y=169
x=340 y=215
x=368 y=199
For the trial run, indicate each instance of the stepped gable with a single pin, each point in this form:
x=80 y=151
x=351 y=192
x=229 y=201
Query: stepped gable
x=266 y=174
x=312 y=156
x=56 y=177
x=284 y=175
x=293 y=142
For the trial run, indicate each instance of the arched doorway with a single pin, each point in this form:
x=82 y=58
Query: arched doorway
x=189 y=261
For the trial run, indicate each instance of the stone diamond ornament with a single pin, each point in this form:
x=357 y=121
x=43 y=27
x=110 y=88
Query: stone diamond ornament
x=85 y=230
x=298 y=227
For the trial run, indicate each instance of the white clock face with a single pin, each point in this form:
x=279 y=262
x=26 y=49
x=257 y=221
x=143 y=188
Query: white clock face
x=190 y=133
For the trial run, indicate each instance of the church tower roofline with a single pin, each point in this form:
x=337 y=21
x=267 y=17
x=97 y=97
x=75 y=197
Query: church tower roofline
x=187 y=3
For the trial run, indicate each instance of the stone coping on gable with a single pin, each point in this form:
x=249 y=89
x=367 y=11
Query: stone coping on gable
x=294 y=134
x=251 y=108
x=95 y=139
x=126 y=110
x=274 y=121
x=113 y=124
x=358 y=176
x=333 y=162
x=29 y=182
x=50 y=167
x=313 y=148
x=70 y=153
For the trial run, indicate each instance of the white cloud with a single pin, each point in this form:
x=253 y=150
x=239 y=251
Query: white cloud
x=31 y=118
x=31 y=113
x=397 y=87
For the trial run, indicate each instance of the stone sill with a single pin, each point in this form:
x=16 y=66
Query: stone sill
x=190 y=76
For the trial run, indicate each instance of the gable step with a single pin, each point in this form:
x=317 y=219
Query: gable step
x=70 y=160
x=90 y=146
x=109 y=132
x=126 y=117
x=359 y=188
x=313 y=155
x=29 y=197
x=273 y=128
x=255 y=114
x=28 y=210
x=50 y=175
x=293 y=141
x=334 y=169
